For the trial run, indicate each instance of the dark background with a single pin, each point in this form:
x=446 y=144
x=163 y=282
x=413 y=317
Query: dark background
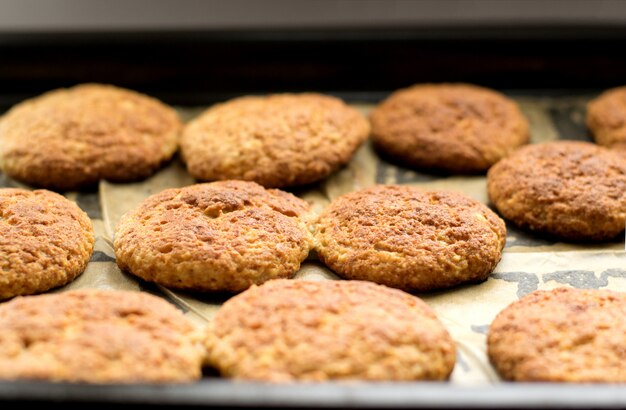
x=198 y=52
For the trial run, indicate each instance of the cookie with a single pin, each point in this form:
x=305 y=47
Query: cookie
x=98 y=336
x=288 y=330
x=410 y=239
x=46 y=241
x=606 y=118
x=563 y=335
x=277 y=140
x=456 y=128
x=570 y=190
x=70 y=138
x=220 y=236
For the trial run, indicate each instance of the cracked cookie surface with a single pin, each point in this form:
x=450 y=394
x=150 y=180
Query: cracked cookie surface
x=70 y=138
x=458 y=128
x=410 y=239
x=276 y=140
x=46 y=241
x=97 y=336
x=563 y=335
x=606 y=118
x=220 y=236
x=288 y=330
x=571 y=190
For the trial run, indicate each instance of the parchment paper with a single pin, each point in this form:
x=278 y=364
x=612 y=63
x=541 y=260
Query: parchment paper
x=529 y=262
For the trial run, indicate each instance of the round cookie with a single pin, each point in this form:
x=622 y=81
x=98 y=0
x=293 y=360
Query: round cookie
x=70 y=138
x=458 y=128
x=606 y=118
x=288 y=330
x=220 y=236
x=410 y=239
x=564 y=335
x=571 y=190
x=46 y=241
x=277 y=140
x=98 y=336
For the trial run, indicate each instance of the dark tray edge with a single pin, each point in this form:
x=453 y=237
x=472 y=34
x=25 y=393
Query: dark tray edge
x=222 y=393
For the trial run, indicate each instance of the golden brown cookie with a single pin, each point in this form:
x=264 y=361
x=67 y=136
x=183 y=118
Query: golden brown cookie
x=98 y=336
x=571 y=190
x=564 y=335
x=410 y=239
x=606 y=118
x=276 y=140
x=70 y=138
x=220 y=236
x=459 y=128
x=46 y=241
x=288 y=330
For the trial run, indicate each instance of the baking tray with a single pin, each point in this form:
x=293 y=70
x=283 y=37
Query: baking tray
x=224 y=394
x=542 y=55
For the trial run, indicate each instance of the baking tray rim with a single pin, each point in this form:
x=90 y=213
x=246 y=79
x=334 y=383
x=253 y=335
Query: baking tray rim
x=225 y=393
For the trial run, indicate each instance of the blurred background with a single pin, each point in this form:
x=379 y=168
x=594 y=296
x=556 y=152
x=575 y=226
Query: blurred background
x=197 y=52
x=97 y=15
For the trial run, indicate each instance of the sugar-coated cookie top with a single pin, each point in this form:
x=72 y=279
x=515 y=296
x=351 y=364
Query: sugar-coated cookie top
x=46 y=241
x=287 y=330
x=98 y=336
x=572 y=190
x=276 y=140
x=459 y=128
x=68 y=138
x=220 y=236
x=409 y=238
x=563 y=335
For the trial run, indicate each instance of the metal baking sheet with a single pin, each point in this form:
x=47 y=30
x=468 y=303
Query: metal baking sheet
x=474 y=383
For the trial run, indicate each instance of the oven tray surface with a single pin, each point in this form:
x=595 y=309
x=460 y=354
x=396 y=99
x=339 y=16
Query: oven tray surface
x=529 y=262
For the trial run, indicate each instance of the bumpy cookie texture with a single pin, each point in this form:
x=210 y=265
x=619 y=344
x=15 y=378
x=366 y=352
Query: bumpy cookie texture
x=458 y=128
x=410 y=239
x=606 y=118
x=98 y=337
x=45 y=241
x=564 y=335
x=286 y=330
x=276 y=141
x=221 y=236
x=571 y=190
x=70 y=138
